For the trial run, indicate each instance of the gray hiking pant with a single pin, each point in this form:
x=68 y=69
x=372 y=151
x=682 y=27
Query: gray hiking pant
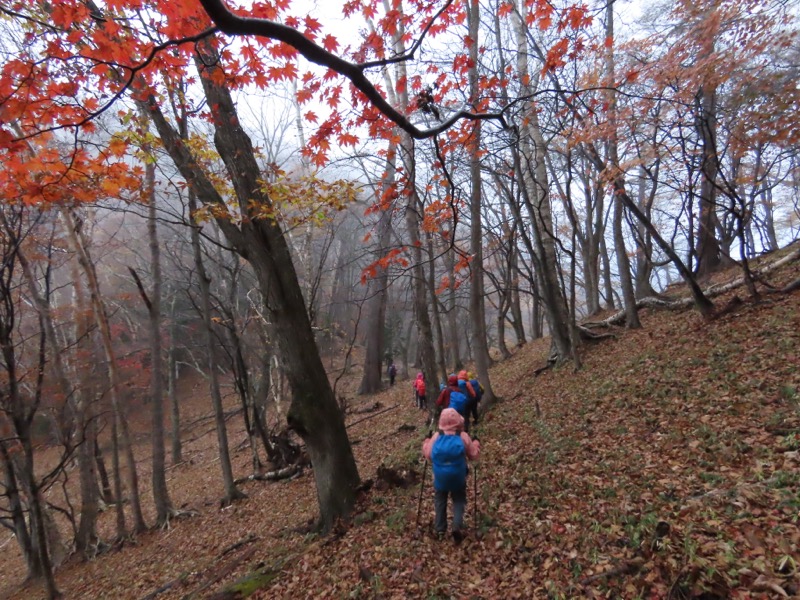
x=440 y=504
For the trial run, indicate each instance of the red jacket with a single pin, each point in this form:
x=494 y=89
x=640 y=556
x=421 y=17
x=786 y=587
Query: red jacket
x=443 y=401
x=419 y=385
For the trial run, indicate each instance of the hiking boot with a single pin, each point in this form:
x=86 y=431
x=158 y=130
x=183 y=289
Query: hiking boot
x=439 y=535
x=458 y=537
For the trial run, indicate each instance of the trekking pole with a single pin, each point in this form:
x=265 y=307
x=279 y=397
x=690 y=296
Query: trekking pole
x=421 y=487
x=475 y=486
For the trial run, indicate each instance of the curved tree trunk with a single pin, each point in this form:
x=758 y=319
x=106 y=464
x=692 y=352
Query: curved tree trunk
x=314 y=413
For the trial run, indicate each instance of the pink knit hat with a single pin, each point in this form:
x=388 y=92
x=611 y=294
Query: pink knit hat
x=450 y=421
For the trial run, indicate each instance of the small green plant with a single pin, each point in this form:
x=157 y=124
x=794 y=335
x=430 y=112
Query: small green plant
x=791 y=442
x=638 y=529
x=784 y=479
x=396 y=521
x=712 y=478
x=789 y=393
x=365 y=517
x=690 y=548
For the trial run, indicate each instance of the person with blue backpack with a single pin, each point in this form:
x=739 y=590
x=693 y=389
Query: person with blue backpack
x=453 y=397
x=449 y=449
x=471 y=394
x=478 y=389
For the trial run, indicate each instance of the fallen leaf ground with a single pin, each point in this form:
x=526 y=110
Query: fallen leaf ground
x=666 y=467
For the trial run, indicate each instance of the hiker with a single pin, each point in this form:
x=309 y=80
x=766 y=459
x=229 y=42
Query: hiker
x=392 y=373
x=419 y=391
x=448 y=450
x=478 y=389
x=453 y=397
x=465 y=385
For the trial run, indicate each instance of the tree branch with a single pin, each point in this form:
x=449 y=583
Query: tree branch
x=232 y=24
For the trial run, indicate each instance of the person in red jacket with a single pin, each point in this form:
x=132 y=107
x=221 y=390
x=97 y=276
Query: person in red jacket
x=443 y=401
x=419 y=391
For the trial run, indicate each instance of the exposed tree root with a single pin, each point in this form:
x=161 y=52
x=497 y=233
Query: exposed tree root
x=367 y=409
x=235 y=495
x=175 y=513
x=627 y=568
x=284 y=473
x=713 y=291
x=590 y=336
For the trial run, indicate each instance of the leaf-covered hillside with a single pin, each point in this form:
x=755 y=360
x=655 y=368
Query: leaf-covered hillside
x=668 y=466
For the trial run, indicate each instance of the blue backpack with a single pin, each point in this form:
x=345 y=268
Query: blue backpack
x=478 y=390
x=449 y=458
x=458 y=401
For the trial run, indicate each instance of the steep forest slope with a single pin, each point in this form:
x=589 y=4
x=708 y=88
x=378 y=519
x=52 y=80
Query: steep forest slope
x=668 y=466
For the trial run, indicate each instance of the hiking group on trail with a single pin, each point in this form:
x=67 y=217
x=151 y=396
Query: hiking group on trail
x=451 y=446
x=463 y=392
x=448 y=450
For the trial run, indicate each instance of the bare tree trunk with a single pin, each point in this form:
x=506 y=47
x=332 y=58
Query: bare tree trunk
x=454 y=335
x=160 y=492
x=80 y=246
x=314 y=413
x=608 y=287
x=40 y=526
x=413 y=213
x=623 y=262
x=231 y=492
x=372 y=379
x=480 y=346
x=15 y=507
x=419 y=286
x=20 y=465
x=172 y=391
x=105 y=483
x=769 y=217
x=437 y=319
x=530 y=161
x=87 y=527
x=516 y=305
x=85 y=416
x=644 y=249
x=709 y=258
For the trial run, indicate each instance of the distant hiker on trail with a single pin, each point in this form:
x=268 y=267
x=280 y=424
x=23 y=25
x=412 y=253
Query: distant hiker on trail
x=465 y=385
x=443 y=401
x=478 y=389
x=392 y=373
x=448 y=450
x=453 y=397
x=419 y=392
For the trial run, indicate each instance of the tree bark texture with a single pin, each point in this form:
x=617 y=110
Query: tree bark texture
x=314 y=413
